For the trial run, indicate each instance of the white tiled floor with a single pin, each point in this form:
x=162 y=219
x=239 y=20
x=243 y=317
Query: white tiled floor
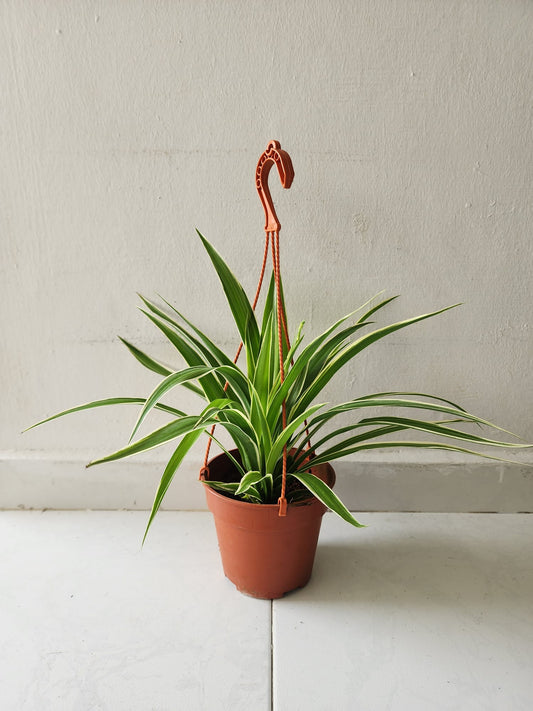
x=89 y=622
x=417 y=611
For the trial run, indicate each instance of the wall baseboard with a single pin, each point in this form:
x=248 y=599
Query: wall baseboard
x=391 y=482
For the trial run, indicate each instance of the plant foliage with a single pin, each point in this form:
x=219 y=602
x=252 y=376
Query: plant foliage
x=247 y=402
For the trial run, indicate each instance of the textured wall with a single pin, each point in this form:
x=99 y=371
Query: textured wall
x=125 y=125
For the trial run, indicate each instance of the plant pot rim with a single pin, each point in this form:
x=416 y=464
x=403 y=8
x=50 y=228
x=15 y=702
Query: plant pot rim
x=329 y=478
x=249 y=505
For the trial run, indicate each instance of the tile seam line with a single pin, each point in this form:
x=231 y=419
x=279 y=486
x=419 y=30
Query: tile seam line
x=272 y=655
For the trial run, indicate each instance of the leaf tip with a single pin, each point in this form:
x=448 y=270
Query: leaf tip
x=35 y=424
x=147 y=529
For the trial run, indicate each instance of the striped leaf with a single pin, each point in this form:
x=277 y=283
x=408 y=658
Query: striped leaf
x=171 y=381
x=174 y=429
x=146 y=360
x=173 y=463
x=352 y=350
x=324 y=494
x=109 y=401
x=335 y=453
x=237 y=300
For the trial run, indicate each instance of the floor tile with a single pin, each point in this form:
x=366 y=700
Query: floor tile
x=416 y=611
x=92 y=623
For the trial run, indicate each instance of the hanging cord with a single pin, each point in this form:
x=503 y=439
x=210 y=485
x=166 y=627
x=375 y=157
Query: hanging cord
x=282 y=323
x=204 y=471
x=282 y=501
x=281 y=159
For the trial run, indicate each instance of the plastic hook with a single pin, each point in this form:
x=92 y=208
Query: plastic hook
x=273 y=155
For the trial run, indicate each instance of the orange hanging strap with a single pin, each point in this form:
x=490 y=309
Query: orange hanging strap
x=282 y=501
x=275 y=156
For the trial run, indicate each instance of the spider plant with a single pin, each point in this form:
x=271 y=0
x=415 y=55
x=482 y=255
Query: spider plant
x=247 y=402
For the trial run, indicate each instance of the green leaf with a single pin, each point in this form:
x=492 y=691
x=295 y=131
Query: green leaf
x=331 y=348
x=106 y=402
x=376 y=401
x=437 y=428
x=230 y=456
x=255 y=485
x=145 y=360
x=213 y=409
x=283 y=438
x=301 y=453
x=210 y=355
x=237 y=300
x=206 y=349
x=318 y=361
x=289 y=358
x=263 y=369
x=240 y=386
x=253 y=496
x=181 y=344
x=218 y=355
x=335 y=453
x=280 y=392
x=157 y=367
x=322 y=492
x=209 y=383
x=352 y=350
x=270 y=301
x=244 y=436
x=165 y=317
x=396 y=393
x=259 y=422
x=248 y=480
x=174 y=429
x=173 y=464
x=400 y=402
x=223 y=486
x=251 y=349
x=266 y=486
x=164 y=386
x=376 y=308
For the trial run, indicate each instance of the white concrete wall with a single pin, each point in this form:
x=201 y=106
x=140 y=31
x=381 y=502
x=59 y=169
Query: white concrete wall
x=125 y=125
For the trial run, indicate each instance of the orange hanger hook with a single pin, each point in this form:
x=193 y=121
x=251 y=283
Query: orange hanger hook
x=273 y=155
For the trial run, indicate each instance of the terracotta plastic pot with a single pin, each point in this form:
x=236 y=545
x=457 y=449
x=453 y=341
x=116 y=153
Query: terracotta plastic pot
x=265 y=555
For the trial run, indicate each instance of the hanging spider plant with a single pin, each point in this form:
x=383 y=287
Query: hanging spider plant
x=247 y=402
